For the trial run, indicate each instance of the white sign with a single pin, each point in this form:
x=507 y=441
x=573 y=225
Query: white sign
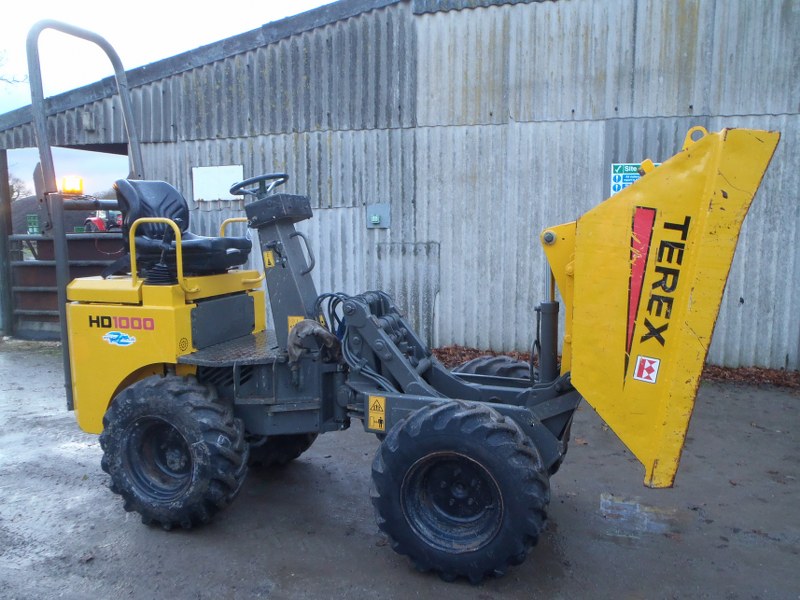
x=213 y=183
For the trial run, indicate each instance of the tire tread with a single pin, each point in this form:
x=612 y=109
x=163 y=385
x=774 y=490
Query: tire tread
x=476 y=424
x=221 y=435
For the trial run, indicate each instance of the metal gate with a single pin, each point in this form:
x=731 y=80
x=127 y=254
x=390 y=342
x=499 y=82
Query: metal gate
x=34 y=294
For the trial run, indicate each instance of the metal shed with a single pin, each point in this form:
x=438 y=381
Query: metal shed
x=475 y=124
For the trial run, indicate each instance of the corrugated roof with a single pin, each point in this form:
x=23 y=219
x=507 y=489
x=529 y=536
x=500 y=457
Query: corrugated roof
x=204 y=55
x=434 y=6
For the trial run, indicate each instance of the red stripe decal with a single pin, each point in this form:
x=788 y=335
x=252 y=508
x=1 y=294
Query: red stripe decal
x=641 y=237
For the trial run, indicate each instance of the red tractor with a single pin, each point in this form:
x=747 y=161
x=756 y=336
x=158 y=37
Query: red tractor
x=102 y=221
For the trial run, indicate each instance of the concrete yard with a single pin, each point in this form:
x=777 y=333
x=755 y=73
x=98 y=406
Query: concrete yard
x=730 y=528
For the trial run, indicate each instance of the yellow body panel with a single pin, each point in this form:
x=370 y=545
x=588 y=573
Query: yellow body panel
x=108 y=342
x=218 y=285
x=118 y=290
x=114 y=342
x=650 y=266
x=123 y=290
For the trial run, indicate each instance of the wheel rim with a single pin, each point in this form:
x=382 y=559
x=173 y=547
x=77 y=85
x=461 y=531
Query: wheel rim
x=159 y=459
x=452 y=502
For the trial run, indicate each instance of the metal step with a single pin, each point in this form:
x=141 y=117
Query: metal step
x=253 y=349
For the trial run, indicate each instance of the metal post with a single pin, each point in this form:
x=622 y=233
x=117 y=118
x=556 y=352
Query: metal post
x=6 y=298
x=548 y=361
x=291 y=290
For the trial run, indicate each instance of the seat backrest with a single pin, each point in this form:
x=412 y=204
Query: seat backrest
x=139 y=199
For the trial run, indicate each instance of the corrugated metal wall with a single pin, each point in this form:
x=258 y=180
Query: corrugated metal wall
x=353 y=74
x=333 y=107
x=522 y=109
x=481 y=126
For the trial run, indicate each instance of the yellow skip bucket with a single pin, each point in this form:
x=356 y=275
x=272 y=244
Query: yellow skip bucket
x=642 y=275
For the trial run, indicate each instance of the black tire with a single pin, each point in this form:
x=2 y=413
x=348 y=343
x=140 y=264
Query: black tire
x=90 y=227
x=501 y=366
x=460 y=490
x=279 y=450
x=175 y=454
x=506 y=366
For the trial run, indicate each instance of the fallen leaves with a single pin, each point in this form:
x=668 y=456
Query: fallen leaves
x=452 y=356
x=753 y=376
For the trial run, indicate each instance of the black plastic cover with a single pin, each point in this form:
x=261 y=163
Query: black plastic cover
x=279 y=207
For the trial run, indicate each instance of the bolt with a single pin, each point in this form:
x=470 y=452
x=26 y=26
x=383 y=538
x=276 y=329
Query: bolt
x=349 y=309
x=549 y=237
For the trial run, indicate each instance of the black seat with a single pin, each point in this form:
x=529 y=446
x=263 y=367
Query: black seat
x=201 y=255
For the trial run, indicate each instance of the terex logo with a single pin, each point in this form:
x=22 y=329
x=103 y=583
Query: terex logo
x=109 y=322
x=653 y=285
x=659 y=305
x=669 y=258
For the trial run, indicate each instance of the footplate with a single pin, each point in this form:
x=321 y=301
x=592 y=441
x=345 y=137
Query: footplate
x=258 y=348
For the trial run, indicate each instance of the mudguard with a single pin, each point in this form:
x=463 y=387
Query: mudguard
x=642 y=277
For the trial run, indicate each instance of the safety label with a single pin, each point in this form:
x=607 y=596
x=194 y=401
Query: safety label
x=624 y=175
x=269 y=259
x=377 y=413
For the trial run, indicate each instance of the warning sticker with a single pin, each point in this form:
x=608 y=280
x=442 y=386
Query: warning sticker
x=377 y=413
x=269 y=259
x=294 y=321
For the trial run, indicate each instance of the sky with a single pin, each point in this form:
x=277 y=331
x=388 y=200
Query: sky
x=143 y=32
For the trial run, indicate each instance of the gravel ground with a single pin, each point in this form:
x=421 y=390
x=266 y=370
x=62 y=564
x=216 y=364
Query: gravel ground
x=730 y=528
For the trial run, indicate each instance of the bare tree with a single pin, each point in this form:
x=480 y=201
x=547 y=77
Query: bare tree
x=16 y=185
x=6 y=78
x=18 y=188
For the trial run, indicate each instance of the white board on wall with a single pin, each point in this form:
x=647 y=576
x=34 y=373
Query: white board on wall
x=213 y=183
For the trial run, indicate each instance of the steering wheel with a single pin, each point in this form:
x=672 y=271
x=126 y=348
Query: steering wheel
x=241 y=188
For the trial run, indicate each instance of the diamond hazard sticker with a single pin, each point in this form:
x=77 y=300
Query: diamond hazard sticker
x=646 y=369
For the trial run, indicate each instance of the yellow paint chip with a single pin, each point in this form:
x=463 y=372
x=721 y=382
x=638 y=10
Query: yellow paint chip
x=292 y=321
